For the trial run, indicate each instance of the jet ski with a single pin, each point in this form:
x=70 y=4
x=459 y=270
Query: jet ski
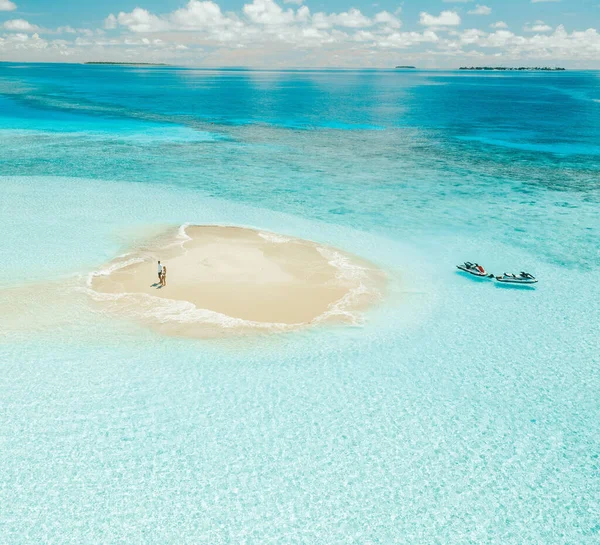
x=521 y=278
x=474 y=269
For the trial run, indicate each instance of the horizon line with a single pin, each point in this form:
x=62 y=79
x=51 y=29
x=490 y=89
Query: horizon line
x=295 y=68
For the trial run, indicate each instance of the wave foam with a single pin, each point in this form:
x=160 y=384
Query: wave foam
x=272 y=237
x=115 y=266
x=163 y=311
x=346 y=270
x=182 y=232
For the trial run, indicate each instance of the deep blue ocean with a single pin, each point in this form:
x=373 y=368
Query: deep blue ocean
x=461 y=411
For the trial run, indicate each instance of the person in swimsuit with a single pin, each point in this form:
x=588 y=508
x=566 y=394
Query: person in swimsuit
x=163 y=280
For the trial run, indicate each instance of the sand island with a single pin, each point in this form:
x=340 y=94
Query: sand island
x=224 y=280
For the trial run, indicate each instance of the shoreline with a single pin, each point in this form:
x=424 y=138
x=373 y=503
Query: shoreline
x=233 y=280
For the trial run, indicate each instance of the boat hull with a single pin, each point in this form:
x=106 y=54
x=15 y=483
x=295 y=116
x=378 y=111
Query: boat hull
x=515 y=281
x=474 y=273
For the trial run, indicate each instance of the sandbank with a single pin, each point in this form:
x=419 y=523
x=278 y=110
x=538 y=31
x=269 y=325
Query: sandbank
x=223 y=280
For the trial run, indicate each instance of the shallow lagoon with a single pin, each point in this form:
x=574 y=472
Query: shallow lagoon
x=459 y=412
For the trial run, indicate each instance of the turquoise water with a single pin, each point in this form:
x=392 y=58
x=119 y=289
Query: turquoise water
x=461 y=411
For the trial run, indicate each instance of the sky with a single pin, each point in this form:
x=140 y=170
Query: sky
x=304 y=33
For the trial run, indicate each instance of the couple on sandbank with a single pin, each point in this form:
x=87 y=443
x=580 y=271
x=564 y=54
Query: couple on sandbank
x=162 y=274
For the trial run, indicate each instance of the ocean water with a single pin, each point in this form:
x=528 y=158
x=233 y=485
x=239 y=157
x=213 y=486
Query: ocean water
x=460 y=411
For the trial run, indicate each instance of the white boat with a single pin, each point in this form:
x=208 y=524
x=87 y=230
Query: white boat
x=521 y=278
x=475 y=269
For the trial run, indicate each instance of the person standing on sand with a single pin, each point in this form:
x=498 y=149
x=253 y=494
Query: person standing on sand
x=160 y=269
x=163 y=281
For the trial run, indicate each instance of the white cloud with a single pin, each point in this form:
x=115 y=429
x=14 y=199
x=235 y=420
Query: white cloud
x=550 y=48
x=83 y=42
x=20 y=25
x=298 y=2
x=66 y=29
x=539 y=1
x=353 y=18
x=266 y=12
x=470 y=36
x=7 y=5
x=270 y=33
x=141 y=20
x=110 y=22
x=480 y=10
x=402 y=40
x=538 y=26
x=20 y=41
x=445 y=18
x=386 y=18
x=198 y=15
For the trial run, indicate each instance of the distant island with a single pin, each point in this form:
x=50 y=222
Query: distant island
x=406 y=67
x=128 y=63
x=514 y=69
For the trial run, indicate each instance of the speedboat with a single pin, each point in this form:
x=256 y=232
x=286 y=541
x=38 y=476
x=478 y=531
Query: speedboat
x=521 y=278
x=474 y=269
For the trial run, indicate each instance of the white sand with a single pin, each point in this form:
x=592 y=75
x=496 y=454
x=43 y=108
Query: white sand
x=230 y=279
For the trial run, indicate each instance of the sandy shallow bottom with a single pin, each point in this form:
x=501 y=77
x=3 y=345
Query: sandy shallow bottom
x=232 y=280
